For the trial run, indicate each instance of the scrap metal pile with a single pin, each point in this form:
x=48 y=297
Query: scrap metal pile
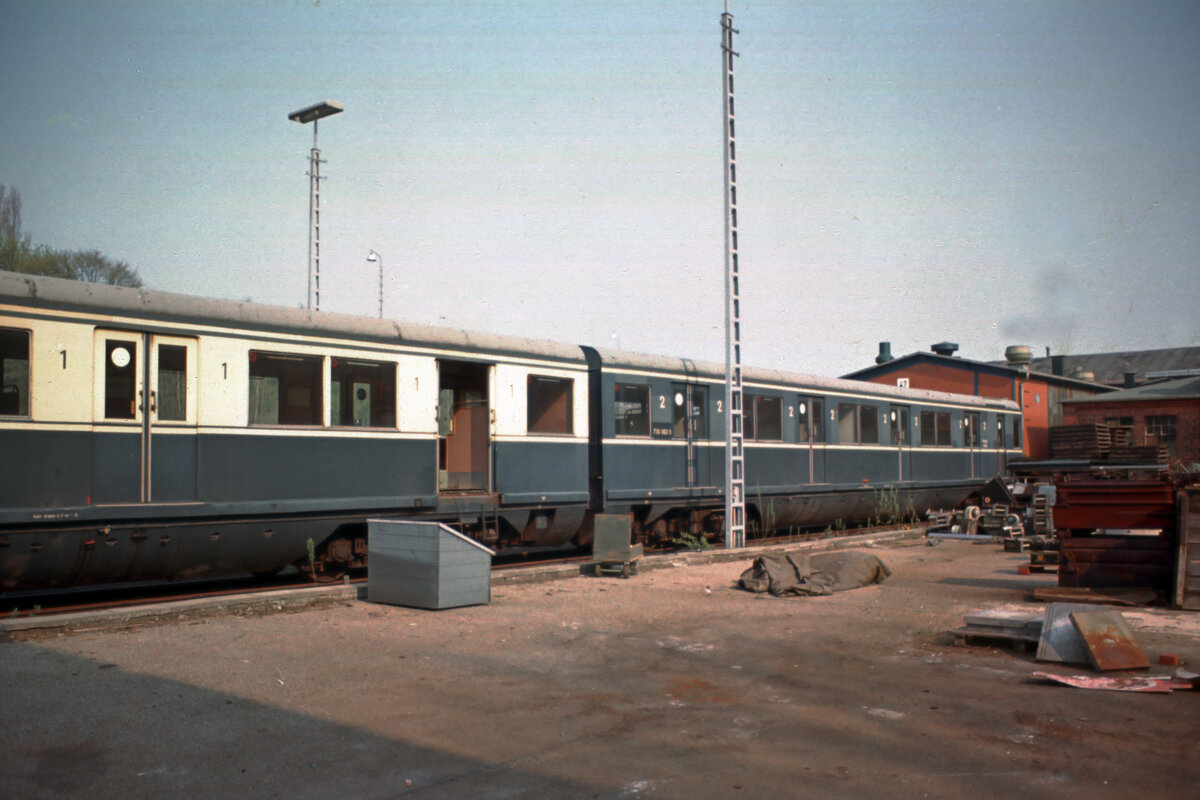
x=1077 y=634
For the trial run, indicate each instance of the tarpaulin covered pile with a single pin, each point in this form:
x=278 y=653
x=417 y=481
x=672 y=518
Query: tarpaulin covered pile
x=821 y=573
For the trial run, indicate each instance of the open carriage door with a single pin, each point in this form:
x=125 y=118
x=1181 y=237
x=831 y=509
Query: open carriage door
x=464 y=426
x=144 y=418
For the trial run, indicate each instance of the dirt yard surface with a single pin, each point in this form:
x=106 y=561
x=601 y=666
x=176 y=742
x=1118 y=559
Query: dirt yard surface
x=670 y=684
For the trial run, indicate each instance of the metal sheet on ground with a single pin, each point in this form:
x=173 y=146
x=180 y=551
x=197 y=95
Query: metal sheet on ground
x=1109 y=641
x=1060 y=642
x=1160 y=685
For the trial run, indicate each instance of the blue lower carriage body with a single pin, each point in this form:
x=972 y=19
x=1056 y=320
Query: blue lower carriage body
x=661 y=514
x=72 y=514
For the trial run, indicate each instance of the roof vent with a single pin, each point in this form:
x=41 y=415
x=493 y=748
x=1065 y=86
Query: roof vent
x=885 y=353
x=1130 y=380
x=945 y=348
x=1081 y=374
x=1018 y=354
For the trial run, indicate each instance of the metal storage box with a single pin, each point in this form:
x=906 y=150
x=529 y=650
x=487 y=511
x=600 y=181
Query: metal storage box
x=426 y=565
x=612 y=552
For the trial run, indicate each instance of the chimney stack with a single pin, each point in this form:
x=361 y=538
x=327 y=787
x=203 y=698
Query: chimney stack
x=945 y=348
x=885 y=353
x=1018 y=354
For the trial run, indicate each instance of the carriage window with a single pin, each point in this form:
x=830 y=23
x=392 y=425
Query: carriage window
x=768 y=419
x=847 y=417
x=549 y=407
x=172 y=382
x=802 y=422
x=120 y=368
x=868 y=424
x=14 y=373
x=971 y=426
x=1016 y=432
x=362 y=394
x=631 y=410
x=857 y=424
x=935 y=428
x=285 y=390
x=763 y=418
x=818 y=420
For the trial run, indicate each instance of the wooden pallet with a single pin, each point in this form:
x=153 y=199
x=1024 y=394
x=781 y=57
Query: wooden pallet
x=971 y=635
x=1152 y=453
x=621 y=569
x=1091 y=440
x=1041 y=515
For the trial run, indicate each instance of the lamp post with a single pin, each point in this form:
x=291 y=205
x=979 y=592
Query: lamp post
x=304 y=116
x=373 y=257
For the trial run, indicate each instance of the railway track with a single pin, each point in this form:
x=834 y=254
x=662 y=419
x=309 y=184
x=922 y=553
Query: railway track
x=84 y=600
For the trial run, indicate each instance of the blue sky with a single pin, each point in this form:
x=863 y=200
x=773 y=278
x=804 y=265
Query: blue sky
x=988 y=173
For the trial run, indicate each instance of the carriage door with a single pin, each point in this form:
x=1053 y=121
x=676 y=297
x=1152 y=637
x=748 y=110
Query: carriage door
x=972 y=433
x=898 y=418
x=464 y=427
x=811 y=430
x=689 y=405
x=998 y=443
x=144 y=435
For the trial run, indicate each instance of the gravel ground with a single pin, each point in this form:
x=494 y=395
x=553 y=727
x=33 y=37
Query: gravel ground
x=670 y=684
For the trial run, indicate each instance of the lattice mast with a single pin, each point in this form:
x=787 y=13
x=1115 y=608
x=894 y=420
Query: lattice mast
x=314 y=224
x=735 y=475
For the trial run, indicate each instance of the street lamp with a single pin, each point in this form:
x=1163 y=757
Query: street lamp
x=373 y=257
x=305 y=116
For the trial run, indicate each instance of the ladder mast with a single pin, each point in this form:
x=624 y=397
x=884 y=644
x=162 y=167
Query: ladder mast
x=735 y=475
x=314 y=223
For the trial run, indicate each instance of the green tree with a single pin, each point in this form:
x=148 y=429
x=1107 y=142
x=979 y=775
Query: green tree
x=18 y=254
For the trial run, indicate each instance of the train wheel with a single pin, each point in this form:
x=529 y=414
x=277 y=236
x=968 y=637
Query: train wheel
x=331 y=563
x=321 y=572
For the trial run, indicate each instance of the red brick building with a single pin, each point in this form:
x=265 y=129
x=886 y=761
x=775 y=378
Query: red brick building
x=1040 y=395
x=1166 y=413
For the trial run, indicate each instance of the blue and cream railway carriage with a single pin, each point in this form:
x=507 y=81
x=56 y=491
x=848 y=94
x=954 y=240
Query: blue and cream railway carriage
x=152 y=436
x=147 y=435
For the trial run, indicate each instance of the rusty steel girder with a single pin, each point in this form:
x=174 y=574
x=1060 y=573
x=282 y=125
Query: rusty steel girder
x=1114 y=504
x=1103 y=560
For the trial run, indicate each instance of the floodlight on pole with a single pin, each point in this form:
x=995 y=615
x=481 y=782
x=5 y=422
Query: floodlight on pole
x=304 y=116
x=373 y=257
